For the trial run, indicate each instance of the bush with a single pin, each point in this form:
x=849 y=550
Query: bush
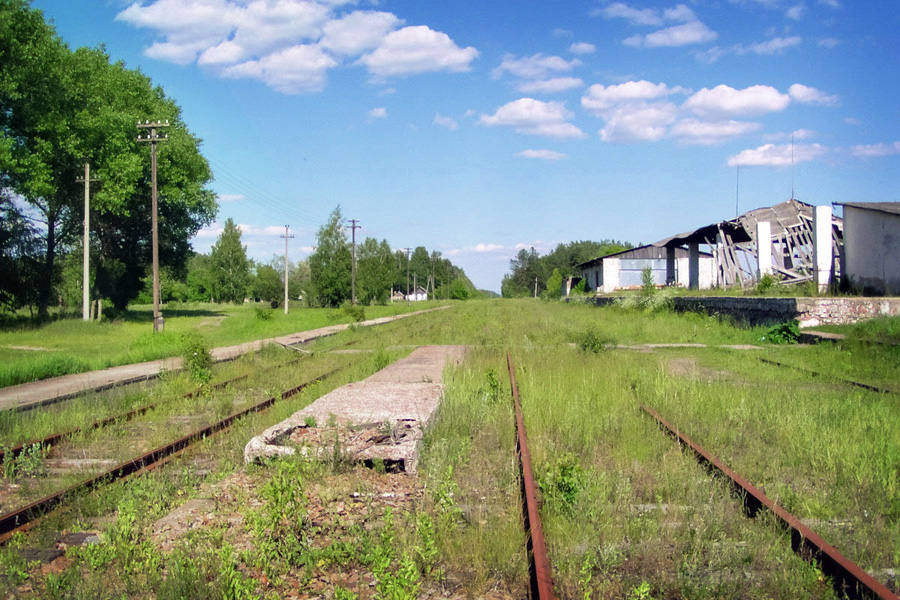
x=594 y=342
x=196 y=358
x=263 y=313
x=786 y=333
x=357 y=313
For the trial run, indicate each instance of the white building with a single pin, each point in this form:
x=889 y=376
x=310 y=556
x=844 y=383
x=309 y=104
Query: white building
x=872 y=246
x=624 y=270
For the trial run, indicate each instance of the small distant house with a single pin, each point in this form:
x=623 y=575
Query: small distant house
x=872 y=246
x=397 y=296
x=624 y=270
x=419 y=294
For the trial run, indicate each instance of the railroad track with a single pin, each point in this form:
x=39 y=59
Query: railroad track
x=24 y=518
x=849 y=579
x=865 y=386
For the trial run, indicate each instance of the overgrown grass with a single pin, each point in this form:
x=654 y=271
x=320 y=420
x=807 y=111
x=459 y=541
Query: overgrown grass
x=73 y=346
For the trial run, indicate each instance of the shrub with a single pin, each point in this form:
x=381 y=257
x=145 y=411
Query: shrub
x=357 y=313
x=786 y=333
x=595 y=342
x=196 y=357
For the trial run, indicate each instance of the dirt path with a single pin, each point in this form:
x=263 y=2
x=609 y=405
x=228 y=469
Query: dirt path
x=60 y=388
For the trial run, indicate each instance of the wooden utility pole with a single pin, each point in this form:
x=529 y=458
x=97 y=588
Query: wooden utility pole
x=535 y=287
x=287 y=265
x=152 y=138
x=86 y=280
x=353 y=227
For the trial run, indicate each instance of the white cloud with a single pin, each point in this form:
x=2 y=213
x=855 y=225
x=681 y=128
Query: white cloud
x=685 y=34
x=258 y=38
x=480 y=248
x=582 y=48
x=770 y=155
x=875 y=150
x=795 y=12
x=723 y=101
x=447 y=122
x=378 y=112
x=294 y=70
x=797 y=134
x=542 y=154
x=775 y=45
x=853 y=121
x=829 y=43
x=537 y=66
x=549 y=86
x=704 y=133
x=358 y=32
x=600 y=98
x=830 y=3
x=418 y=49
x=530 y=116
x=620 y=10
x=810 y=95
x=642 y=122
x=230 y=197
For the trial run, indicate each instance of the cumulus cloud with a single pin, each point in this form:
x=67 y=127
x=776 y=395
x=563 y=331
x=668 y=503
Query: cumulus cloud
x=294 y=70
x=530 y=116
x=538 y=66
x=724 y=101
x=810 y=95
x=480 y=248
x=548 y=86
x=230 y=197
x=775 y=45
x=582 y=48
x=600 y=98
x=643 y=122
x=771 y=155
x=417 y=49
x=542 y=154
x=689 y=29
x=685 y=34
x=705 y=133
x=378 y=112
x=291 y=44
x=447 y=122
x=875 y=150
x=797 y=134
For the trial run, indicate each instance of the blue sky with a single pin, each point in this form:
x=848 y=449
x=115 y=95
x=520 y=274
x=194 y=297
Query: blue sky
x=480 y=127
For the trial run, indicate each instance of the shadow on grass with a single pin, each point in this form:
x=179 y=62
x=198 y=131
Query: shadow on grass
x=15 y=322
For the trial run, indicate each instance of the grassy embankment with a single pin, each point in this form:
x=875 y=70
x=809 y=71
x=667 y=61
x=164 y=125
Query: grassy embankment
x=74 y=346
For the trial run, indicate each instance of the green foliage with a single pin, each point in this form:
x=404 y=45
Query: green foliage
x=330 y=264
x=196 y=358
x=766 y=283
x=648 y=286
x=641 y=592
x=14 y=567
x=229 y=266
x=396 y=577
x=459 y=290
x=279 y=526
x=785 y=333
x=262 y=313
x=564 y=481
x=268 y=285
x=554 y=286
x=357 y=313
x=29 y=463
x=593 y=341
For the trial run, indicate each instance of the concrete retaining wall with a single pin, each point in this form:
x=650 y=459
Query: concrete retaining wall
x=810 y=312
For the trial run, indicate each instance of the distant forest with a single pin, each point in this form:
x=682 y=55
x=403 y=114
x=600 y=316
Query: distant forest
x=530 y=272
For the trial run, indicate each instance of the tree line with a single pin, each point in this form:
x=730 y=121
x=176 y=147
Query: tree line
x=532 y=274
x=226 y=274
x=59 y=108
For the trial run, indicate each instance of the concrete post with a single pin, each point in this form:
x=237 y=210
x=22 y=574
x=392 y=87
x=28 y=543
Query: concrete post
x=822 y=251
x=764 y=248
x=670 y=265
x=694 y=266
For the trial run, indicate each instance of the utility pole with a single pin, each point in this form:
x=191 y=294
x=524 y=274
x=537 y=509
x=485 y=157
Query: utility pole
x=535 y=287
x=153 y=138
x=86 y=280
x=353 y=227
x=286 y=237
x=407 y=273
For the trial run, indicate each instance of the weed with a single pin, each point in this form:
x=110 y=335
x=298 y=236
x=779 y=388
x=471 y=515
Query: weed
x=29 y=463
x=585 y=575
x=13 y=566
x=427 y=547
x=400 y=581
x=380 y=359
x=342 y=593
x=278 y=527
x=196 y=358
x=356 y=313
x=262 y=313
x=766 y=283
x=309 y=421
x=235 y=585
x=564 y=482
x=786 y=333
x=593 y=341
x=641 y=592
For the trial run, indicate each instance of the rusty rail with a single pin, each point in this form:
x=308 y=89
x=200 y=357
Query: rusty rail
x=848 y=578
x=865 y=386
x=23 y=518
x=540 y=575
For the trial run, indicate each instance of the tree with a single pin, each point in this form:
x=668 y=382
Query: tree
x=230 y=266
x=554 y=286
x=330 y=264
x=375 y=271
x=58 y=107
x=268 y=285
